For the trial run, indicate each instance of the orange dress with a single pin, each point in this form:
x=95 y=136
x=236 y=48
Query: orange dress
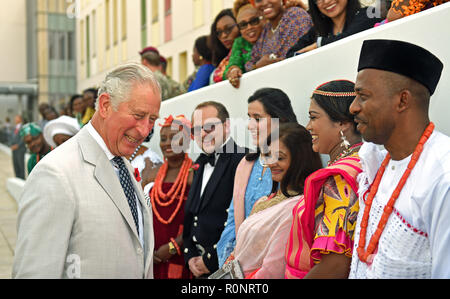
x=410 y=7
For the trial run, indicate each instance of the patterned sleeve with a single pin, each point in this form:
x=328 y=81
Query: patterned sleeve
x=335 y=217
x=410 y=7
x=296 y=22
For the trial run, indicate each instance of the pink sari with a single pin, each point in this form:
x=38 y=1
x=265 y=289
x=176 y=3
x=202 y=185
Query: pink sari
x=301 y=237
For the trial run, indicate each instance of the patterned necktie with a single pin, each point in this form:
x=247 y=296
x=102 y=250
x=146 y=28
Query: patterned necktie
x=127 y=186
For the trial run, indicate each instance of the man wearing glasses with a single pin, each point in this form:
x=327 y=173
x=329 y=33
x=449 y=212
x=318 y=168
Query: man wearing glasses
x=212 y=187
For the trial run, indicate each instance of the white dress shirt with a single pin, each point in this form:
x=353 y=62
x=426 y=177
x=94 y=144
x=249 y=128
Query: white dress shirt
x=208 y=169
x=110 y=156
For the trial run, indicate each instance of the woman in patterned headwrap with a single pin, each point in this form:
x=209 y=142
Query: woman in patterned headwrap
x=33 y=138
x=168 y=195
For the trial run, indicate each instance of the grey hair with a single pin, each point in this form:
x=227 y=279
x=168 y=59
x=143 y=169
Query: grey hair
x=118 y=82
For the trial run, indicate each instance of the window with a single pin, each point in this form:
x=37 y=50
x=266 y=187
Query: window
x=182 y=67
x=82 y=41
x=62 y=46
x=198 y=13
x=155 y=11
x=124 y=19
x=88 y=45
x=108 y=22
x=143 y=23
x=115 y=22
x=94 y=33
x=167 y=20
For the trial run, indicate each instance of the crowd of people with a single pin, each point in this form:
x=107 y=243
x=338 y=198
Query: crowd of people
x=115 y=209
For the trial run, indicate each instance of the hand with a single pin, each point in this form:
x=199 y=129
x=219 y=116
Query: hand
x=393 y=15
x=156 y=259
x=234 y=74
x=201 y=266
x=149 y=172
x=292 y=3
x=192 y=263
x=308 y=48
x=266 y=60
x=163 y=253
x=14 y=147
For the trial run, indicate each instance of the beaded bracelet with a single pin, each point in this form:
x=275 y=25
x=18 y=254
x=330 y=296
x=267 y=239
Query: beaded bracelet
x=176 y=245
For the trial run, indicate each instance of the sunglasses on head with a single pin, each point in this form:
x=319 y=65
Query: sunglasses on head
x=253 y=22
x=208 y=128
x=227 y=30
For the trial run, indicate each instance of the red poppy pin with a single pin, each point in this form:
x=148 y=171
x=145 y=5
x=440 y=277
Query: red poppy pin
x=194 y=167
x=137 y=176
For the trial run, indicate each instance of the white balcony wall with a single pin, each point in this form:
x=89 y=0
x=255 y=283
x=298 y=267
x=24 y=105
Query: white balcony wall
x=299 y=76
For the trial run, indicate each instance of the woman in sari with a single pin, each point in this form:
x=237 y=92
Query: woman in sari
x=266 y=108
x=262 y=237
x=321 y=239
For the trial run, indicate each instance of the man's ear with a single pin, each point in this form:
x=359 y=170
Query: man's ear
x=404 y=100
x=227 y=126
x=104 y=105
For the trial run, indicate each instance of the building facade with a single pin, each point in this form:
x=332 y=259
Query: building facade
x=51 y=50
x=111 y=32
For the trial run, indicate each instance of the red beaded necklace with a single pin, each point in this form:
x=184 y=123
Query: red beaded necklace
x=362 y=253
x=156 y=194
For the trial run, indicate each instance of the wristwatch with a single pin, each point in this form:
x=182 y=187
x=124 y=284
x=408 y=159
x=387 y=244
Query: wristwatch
x=172 y=249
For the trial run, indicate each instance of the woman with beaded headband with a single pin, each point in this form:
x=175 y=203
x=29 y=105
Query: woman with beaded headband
x=168 y=195
x=321 y=238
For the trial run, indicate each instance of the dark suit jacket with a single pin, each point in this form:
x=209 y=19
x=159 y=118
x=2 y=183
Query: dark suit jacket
x=205 y=216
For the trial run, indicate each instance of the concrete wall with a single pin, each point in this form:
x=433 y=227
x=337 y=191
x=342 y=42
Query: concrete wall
x=13 y=40
x=300 y=75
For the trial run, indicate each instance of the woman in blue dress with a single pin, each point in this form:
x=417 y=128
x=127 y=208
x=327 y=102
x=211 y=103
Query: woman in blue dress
x=267 y=107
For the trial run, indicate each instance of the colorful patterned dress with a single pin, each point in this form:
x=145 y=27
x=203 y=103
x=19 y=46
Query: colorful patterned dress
x=294 y=24
x=410 y=7
x=326 y=222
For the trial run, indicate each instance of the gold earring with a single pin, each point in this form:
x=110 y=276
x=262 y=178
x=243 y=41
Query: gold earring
x=345 y=142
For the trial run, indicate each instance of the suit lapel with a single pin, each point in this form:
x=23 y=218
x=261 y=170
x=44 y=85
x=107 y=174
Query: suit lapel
x=147 y=219
x=192 y=203
x=106 y=176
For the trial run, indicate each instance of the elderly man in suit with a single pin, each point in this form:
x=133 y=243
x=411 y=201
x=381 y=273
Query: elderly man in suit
x=212 y=187
x=82 y=213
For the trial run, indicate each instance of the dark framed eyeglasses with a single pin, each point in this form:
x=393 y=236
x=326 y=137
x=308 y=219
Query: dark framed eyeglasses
x=208 y=128
x=227 y=30
x=253 y=22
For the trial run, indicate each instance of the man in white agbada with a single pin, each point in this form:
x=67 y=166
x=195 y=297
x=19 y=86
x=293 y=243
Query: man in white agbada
x=394 y=84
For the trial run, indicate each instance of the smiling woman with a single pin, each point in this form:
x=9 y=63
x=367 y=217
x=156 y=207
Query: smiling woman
x=322 y=230
x=168 y=196
x=333 y=20
x=262 y=237
x=250 y=23
x=282 y=30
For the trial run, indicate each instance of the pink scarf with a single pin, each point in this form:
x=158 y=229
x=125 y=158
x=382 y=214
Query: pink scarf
x=241 y=178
